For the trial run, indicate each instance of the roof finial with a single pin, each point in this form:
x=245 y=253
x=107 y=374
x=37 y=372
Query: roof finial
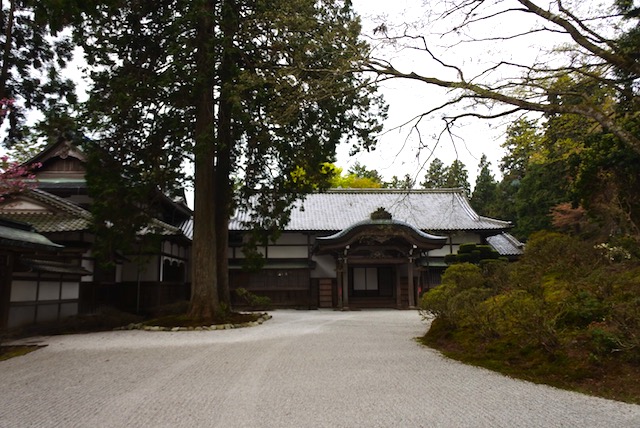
x=380 y=214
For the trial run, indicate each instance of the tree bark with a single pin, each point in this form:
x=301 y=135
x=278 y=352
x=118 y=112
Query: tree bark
x=225 y=141
x=204 y=292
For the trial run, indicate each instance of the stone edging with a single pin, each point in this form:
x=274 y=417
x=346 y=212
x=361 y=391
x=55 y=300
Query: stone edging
x=139 y=326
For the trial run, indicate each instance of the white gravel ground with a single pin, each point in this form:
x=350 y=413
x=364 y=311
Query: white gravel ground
x=300 y=369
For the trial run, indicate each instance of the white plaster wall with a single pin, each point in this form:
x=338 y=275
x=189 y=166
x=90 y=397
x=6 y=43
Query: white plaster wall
x=23 y=291
x=128 y=272
x=292 y=239
x=47 y=313
x=49 y=291
x=88 y=264
x=70 y=290
x=441 y=252
x=240 y=254
x=466 y=238
x=457 y=239
x=149 y=270
x=21 y=315
x=289 y=252
x=68 y=309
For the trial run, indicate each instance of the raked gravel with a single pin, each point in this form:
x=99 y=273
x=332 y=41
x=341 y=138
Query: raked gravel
x=299 y=369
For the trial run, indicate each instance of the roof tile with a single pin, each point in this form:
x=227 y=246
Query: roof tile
x=430 y=209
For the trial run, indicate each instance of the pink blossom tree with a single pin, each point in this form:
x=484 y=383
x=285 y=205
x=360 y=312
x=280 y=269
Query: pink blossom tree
x=14 y=177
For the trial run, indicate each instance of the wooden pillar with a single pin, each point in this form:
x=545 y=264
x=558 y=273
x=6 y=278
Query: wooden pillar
x=6 y=274
x=411 y=294
x=339 y=279
x=398 y=288
x=345 y=285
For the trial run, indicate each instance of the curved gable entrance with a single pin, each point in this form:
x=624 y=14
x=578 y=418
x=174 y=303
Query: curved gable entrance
x=376 y=262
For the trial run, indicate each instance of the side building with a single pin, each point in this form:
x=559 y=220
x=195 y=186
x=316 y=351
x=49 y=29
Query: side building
x=67 y=279
x=358 y=248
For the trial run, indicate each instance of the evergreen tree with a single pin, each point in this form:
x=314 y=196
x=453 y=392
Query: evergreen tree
x=269 y=86
x=404 y=183
x=361 y=171
x=436 y=175
x=522 y=142
x=458 y=177
x=33 y=53
x=484 y=192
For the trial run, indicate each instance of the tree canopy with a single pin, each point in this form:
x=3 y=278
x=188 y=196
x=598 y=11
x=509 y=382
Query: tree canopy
x=33 y=54
x=257 y=93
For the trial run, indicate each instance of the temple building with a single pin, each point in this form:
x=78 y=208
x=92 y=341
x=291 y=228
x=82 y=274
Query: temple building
x=365 y=248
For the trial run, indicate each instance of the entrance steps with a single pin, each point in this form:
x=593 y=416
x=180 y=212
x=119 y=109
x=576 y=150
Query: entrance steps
x=372 y=303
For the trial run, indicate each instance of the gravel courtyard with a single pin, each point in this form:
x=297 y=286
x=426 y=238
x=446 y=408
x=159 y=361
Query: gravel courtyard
x=299 y=369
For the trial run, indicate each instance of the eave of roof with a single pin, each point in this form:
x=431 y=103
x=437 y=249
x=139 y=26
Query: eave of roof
x=62 y=148
x=364 y=223
x=20 y=238
x=51 y=266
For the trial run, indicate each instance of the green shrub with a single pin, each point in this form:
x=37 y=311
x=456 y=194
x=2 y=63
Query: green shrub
x=563 y=308
x=466 y=248
x=472 y=253
x=449 y=299
x=253 y=300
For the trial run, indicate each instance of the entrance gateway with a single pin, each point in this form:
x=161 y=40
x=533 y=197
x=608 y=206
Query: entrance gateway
x=377 y=261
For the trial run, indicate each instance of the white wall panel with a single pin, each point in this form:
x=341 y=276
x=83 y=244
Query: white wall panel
x=293 y=252
x=292 y=239
x=49 y=291
x=70 y=290
x=23 y=291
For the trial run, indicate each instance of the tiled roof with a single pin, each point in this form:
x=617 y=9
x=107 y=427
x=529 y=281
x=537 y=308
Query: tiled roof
x=400 y=224
x=506 y=244
x=18 y=236
x=160 y=228
x=53 y=266
x=66 y=216
x=428 y=210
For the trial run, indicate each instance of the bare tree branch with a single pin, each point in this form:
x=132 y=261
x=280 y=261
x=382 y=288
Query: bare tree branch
x=479 y=92
x=523 y=86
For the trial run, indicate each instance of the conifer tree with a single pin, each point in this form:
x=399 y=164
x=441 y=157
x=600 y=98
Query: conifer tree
x=261 y=91
x=484 y=192
x=436 y=175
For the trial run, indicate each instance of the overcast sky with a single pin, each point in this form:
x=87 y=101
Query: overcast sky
x=398 y=153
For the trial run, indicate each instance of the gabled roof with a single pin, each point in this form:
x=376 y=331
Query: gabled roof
x=52 y=214
x=436 y=210
x=56 y=214
x=381 y=231
x=506 y=244
x=61 y=148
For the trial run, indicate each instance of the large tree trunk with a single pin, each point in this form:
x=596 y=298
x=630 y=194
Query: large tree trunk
x=225 y=141
x=204 y=292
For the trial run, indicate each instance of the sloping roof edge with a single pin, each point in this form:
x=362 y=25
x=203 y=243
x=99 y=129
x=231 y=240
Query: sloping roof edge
x=506 y=244
x=13 y=234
